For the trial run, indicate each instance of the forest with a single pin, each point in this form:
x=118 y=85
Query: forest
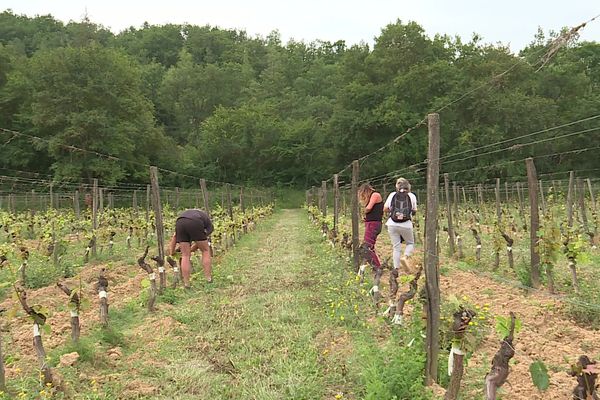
x=79 y=102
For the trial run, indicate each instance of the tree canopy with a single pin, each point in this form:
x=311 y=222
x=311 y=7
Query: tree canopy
x=220 y=104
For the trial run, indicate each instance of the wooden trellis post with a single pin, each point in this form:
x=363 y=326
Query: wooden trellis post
x=160 y=232
x=432 y=274
x=535 y=222
x=94 y=215
x=355 y=214
x=451 y=241
x=204 y=195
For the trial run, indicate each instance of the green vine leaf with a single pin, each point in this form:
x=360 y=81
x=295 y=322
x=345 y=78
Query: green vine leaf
x=539 y=375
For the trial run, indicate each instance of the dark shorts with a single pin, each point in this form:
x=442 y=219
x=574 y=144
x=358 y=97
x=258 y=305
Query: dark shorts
x=189 y=230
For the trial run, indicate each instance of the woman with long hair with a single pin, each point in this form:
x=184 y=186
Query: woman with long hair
x=373 y=203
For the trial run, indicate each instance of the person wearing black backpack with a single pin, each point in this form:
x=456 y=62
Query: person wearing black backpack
x=401 y=206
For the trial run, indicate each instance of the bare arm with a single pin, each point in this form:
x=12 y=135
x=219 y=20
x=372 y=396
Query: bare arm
x=172 y=244
x=375 y=198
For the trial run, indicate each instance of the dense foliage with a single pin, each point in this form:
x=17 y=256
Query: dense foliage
x=219 y=104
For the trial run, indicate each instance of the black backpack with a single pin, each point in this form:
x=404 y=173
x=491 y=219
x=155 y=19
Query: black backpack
x=401 y=207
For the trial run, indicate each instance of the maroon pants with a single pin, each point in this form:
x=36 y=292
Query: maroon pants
x=372 y=230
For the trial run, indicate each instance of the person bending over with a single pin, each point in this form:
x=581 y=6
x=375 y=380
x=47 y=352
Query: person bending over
x=192 y=226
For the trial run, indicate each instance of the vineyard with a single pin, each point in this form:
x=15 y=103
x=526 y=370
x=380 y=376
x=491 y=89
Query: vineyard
x=92 y=300
x=299 y=292
x=69 y=273
x=514 y=265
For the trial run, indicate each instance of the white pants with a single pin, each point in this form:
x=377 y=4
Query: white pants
x=397 y=235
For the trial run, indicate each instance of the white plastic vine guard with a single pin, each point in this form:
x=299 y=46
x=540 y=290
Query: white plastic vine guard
x=398 y=319
x=374 y=289
x=478 y=246
x=455 y=350
x=508 y=248
x=175 y=269
x=36 y=330
x=152 y=276
x=102 y=294
x=74 y=314
x=161 y=269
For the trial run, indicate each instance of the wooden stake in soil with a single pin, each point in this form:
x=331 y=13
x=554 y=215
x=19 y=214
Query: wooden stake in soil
x=581 y=201
x=570 y=199
x=542 y=198
x=204 y=195
x=76 y=204
x=521 y=212
x=451 y=241
x=432 y=274
x=160 y=231
x=535 y=223
x=94 y=215
x=336 y=205
x=135 y=203
x=355 y=216
x=455 y=199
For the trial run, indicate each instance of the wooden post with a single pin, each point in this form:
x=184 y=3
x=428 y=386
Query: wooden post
x=94 y=215
x=535 y=222
x=432 y=275
x=451 y=241
x=324 y=198
x=542 y=199
x=176 y=198
x=242 y=204
x=100 y=200
x=147 y=203
x=76 y=204
x=51 y=195
x=204 y=195
x=498 y=206
x=521 y=211
x=134 y=202
x=581 y=200
x=229 y=206
x=592 y=198
x=336 y=204
x=506 y=191
x=455 y=198
x=160 y=232
x=464 y=194
x=570 y=199
x=355 y=215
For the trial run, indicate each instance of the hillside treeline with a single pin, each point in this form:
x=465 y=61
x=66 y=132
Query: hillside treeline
x=227 y=106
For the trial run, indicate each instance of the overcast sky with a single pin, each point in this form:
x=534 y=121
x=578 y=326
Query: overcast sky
x=510 y=21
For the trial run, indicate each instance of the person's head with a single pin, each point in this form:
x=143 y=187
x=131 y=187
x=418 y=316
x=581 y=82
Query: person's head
x=364 y=192
x=402 y=184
